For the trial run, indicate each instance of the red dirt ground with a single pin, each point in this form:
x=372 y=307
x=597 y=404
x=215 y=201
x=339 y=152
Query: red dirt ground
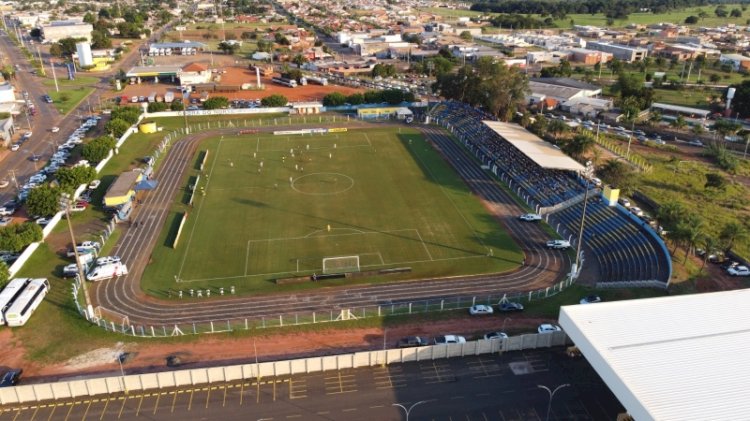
x=220 y=349
x=239 y=76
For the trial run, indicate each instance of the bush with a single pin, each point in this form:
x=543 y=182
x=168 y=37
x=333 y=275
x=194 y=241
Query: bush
x=70 y=178
x=155 y=107
x=16 y=237
x=215 y=103
x=274 y=101
x=117 y=127
x=176 y=106
x=334 y=99
x=98 y=148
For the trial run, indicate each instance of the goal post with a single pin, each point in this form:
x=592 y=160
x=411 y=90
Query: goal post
x=340 y=264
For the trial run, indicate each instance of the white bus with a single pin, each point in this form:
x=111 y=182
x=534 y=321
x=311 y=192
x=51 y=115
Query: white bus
x=11 y=291
x=22 y=308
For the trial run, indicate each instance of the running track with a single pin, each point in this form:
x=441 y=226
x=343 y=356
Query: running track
x=124 y=297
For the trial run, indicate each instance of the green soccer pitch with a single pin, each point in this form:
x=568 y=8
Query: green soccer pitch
x=274 y=206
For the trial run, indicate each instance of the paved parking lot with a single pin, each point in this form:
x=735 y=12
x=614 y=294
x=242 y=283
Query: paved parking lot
x=476 y=388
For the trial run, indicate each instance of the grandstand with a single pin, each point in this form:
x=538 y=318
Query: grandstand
x=546 y=186
x=627 y=251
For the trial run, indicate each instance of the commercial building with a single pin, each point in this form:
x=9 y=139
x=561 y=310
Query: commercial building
x=619 y=51
x=188 y=75
x=184 y=48
x=737 y=61
x=58 y=30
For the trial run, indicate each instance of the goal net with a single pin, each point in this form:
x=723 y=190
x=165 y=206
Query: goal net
x=340 y=264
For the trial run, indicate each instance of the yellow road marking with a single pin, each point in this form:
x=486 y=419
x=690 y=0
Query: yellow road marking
x=101 y=417
x=208 y=397
x=156 y=404
x=274 y=391
x=119 y=414
x=224 y=402
x=190 y=403
x=86 y=412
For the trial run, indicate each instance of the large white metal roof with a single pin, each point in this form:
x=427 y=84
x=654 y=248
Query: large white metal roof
x=539 y=151
x=670 y=358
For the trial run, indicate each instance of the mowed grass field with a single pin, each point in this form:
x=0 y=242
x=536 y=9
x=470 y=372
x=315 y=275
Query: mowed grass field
x=383 y=195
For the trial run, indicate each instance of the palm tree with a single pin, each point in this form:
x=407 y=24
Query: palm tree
x=579 y=146
x=557 y=127
x=654 y=117
x=679 y=123
x=692 y=229
x=709 y=244
x=299 y=60
x=732 y=232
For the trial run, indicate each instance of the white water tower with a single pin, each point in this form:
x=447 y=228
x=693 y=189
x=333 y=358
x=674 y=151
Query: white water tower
x=85 y=58
x=730 y=96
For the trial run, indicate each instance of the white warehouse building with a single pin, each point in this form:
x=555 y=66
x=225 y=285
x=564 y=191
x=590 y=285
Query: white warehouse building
x=58 y=30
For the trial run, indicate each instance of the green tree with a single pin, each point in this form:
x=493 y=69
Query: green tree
x=679 y=123
x=334 y=99
x=466 y=36
x=275 y=100
x=117 y=127
x=69 y=178
x=557 y=127
x=100 y=40
x=176 y=106
x=579 y=145
x=215 y=103
x=355 y=99
x=691 y=230
x=43 y=201
x=228 y=47
x=154 y=107
x=98 y=148
x=618 y=174
x=4 y=274
x=16 y=237
x=691 y=20
x=127 y=114
x=299 y=60
x=732 y=232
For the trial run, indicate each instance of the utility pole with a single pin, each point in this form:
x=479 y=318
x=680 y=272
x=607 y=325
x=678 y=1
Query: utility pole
x=89 y=313
x=54 y=76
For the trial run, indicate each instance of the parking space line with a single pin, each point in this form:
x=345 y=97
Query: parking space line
x=18 y=412
x=340 y=384
x=104 y=410
x=190 y=402
x=242 y=391
x=297 y=388
x=86 y=412
x=72 y=405
x=52 y=412
x=208 y=397
x=36 y=409
x=174 y=400
x=156 y=404
x=224 y=401
x=122 y=407
x=140 y=402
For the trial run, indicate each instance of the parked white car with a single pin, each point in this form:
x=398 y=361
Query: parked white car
x=480 y=309
x=558 y=244
x=739 y=271
x=548 y=328
x=530 y=217
x=449 y=339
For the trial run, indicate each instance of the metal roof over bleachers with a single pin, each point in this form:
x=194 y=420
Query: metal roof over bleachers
x=669 y=358
x=542 y=153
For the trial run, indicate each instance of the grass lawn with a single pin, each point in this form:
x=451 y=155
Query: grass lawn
x=689 y=97
x=64 y=82
x=674 y=16
x=68 y=99
x=388 y=198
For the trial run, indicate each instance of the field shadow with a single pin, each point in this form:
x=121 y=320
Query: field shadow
x=174 y=226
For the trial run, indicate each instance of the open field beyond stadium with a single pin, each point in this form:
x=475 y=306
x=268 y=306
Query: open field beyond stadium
x=269 y=207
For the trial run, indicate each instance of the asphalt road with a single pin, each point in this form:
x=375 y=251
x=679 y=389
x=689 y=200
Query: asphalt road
x=491 y=387
x=123 y=296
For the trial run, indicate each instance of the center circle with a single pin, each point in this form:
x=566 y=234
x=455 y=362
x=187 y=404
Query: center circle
x=322 y=183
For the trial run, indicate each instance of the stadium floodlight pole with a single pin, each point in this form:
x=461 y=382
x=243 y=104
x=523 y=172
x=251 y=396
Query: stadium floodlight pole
x=551 y=395
x=89 y=312
x=587 y=173
x=184 y=111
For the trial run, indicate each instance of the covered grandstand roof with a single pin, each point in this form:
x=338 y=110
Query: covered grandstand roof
x=539 y=151
x=670 y=358
x=681 y=109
